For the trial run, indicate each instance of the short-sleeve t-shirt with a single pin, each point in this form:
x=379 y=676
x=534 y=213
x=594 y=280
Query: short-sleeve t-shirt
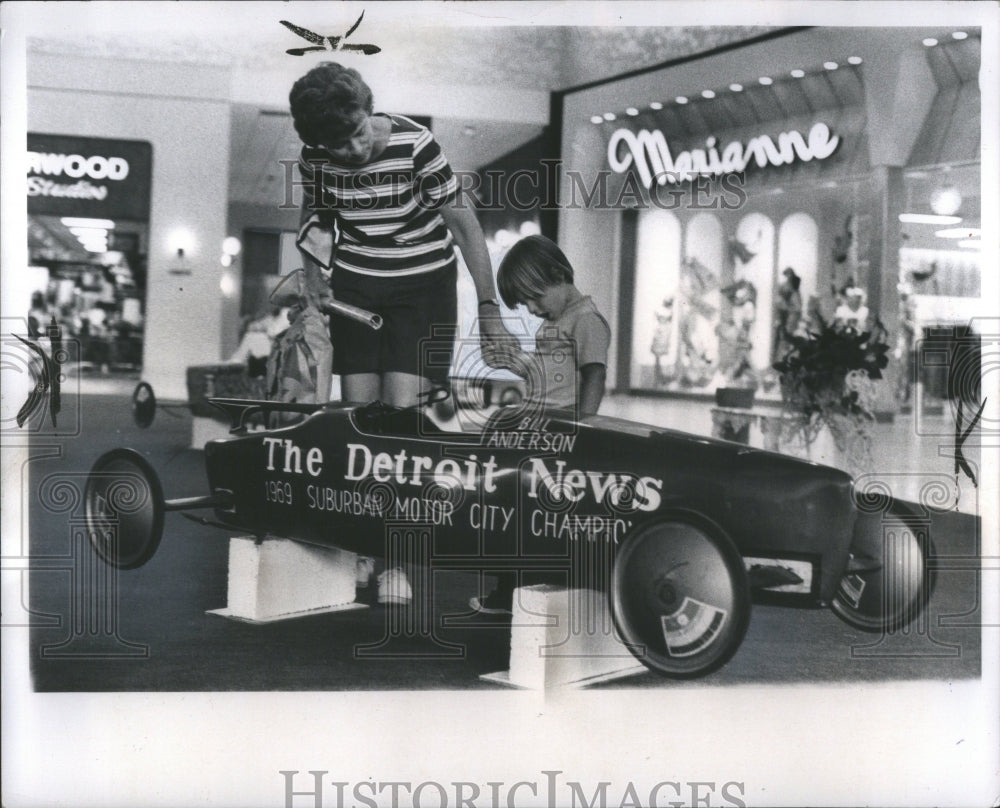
x=387 y=210
x=579 y=336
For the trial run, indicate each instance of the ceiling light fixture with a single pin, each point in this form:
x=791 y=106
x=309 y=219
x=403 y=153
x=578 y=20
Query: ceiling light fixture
x=959 y=35
x=736 y=88
x=77 y=221
x=930 y=42
x=927 y=218
x=609 y=116
x=596 y=119
x=708 y=94
x=681 y=99
x=765 y=80
x=946 y=201
x=854 y=60
x=798 y=73
x=830 y=65
x=959 y=232
x=656 y=105
x=632 y=111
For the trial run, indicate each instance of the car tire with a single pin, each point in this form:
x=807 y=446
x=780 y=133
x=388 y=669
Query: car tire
x=892 y=594
x=123 y=508
x=680 y=597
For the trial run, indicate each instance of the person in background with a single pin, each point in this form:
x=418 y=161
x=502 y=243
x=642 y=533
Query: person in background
x=852 y=313
x=258 y=340
x=380 y=219
x=38 y=315
x=568 y=366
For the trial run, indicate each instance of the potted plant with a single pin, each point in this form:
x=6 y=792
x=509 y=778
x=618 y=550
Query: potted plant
x=828 y=377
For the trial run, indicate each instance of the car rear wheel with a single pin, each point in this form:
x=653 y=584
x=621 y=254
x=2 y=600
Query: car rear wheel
x=680 y=597
x=887 y=582
x=123 y=505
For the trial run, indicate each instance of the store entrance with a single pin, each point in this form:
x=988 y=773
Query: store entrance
x=89 y=276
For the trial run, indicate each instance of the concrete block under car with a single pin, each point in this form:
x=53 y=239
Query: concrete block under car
x=563 y=637
x=278 y=579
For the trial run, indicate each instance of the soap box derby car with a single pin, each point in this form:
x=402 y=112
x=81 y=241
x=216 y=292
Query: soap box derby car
x=677 y=529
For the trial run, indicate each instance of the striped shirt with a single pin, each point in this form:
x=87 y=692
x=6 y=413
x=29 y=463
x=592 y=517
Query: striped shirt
x=386 y=211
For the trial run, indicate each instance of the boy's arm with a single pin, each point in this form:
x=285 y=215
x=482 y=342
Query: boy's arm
x=470 y=239
x=592 y=378
x=316 y=288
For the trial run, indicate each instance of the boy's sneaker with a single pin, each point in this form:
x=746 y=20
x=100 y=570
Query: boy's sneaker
x=496 y=602
x=394 y=588
x=365 y=570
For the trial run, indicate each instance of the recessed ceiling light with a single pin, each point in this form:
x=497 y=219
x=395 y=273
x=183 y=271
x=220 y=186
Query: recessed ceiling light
x=708 y=94
x=736 y=88
x=609 y=116
x=830 y=65
x=596 y=119
x=82 y=232
x=681 y=99
x=959 y=35
x=797 y=73
x=854 y=60
x=765 y=80
x=656 y=105
x=77 y=221
x=927 y=218
x=631 y=111
x=959 y=232
x=930 y=42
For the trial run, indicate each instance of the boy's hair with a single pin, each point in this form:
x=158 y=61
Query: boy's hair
x=325 y=103
x=530 y=267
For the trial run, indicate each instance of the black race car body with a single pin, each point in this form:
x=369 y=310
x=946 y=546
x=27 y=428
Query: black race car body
x=678 y=530
x=528 y=489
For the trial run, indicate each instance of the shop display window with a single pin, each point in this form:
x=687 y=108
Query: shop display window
x=708 y=296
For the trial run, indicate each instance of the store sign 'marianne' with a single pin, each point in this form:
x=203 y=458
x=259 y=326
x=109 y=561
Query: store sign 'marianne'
x=649 y=153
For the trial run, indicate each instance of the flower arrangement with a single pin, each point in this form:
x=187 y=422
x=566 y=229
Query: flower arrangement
x=827 y=378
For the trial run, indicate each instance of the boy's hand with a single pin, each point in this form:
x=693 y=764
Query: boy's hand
x=492 y=331
x=502 y=355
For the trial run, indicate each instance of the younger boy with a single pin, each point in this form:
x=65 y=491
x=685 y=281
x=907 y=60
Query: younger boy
x=567 y=368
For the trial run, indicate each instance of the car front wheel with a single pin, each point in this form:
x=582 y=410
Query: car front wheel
x=680 y=596
x=887 y=583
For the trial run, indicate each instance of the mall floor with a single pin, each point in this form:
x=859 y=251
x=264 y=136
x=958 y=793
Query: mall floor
x=154 y=634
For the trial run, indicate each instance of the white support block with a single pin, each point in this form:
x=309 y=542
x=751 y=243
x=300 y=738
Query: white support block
x=563 y=637
x=278 y=579
x=205 y=429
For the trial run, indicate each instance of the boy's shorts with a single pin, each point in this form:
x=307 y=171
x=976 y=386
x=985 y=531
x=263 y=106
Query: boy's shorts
x=419 y=323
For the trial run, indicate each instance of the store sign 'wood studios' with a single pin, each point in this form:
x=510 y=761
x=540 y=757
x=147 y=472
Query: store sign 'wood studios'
x=649 y=153
x=88 y=177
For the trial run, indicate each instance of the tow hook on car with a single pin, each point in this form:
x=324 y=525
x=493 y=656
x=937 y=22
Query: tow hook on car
x=761 y=576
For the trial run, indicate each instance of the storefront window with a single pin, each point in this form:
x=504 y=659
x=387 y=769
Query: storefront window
x=940 y=268
x=655 y=356
x=720 y=316
x=940 y=252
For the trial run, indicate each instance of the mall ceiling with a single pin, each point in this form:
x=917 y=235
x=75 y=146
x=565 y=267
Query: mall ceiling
x=537 y=58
